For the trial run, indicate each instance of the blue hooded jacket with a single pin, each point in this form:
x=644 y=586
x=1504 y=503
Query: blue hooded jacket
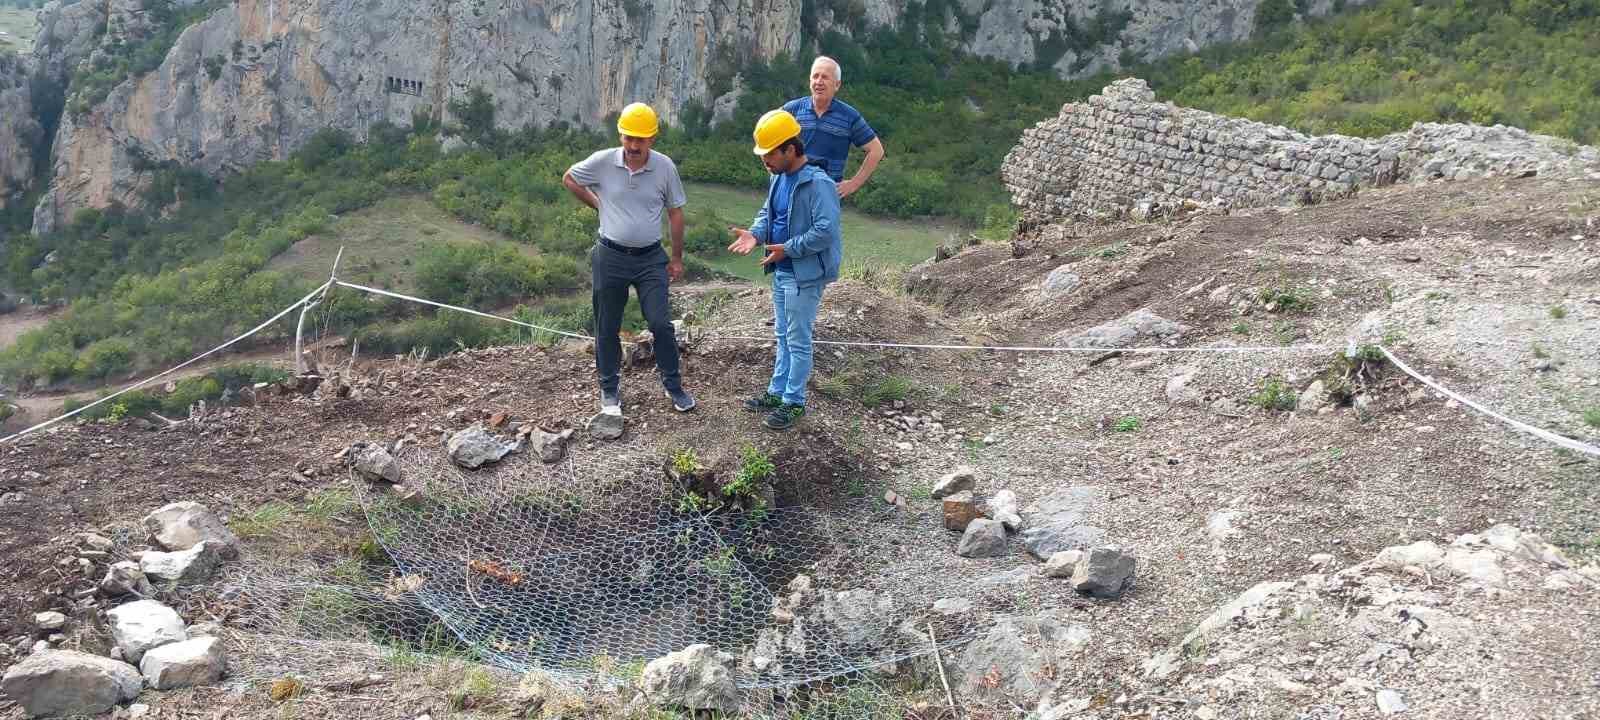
x=814 y=247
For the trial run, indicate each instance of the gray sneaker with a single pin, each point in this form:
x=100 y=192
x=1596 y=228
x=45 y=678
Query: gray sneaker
x=611 y=399
x=682 y=401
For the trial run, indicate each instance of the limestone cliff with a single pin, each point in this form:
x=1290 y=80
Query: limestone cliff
x=1076 y=38
x=19 y=133
x=257 y=78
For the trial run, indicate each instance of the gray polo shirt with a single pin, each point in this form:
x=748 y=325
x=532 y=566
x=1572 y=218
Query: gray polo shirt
x=630 y=202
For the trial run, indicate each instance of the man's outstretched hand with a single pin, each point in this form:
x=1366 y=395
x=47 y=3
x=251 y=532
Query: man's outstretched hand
x=743 y=241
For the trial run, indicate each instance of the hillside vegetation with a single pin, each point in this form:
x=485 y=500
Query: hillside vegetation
x=153 y=286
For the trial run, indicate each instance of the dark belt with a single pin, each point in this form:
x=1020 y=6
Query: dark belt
x=629 y=250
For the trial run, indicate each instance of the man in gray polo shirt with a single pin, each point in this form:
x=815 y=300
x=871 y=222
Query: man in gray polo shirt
x=631 y=186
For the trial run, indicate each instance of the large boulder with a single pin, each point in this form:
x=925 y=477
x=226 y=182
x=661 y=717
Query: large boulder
x=1139 y=325
x=474 y=447
x=183 y=525
x=194 y=565
x=695 y=678
x=57 y=683
x=1059 y=521
x=197 y=661
x=1005 y=662
x=138 y=627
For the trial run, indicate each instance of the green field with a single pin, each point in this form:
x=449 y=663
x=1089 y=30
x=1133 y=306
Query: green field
x=870 y=240
x=18 y=27
x=380 y=243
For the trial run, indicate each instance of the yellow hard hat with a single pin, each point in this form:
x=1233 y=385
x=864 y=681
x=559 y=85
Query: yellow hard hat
x=773 y=129
x=637 y=120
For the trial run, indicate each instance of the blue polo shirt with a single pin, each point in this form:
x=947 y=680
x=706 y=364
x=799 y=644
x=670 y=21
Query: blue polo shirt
x=829 y=137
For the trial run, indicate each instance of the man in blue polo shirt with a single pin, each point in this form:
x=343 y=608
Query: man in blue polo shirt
x=829 y=127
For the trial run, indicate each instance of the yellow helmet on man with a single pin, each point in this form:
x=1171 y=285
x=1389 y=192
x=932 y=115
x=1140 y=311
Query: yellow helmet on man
x=638 y=120
x=773 y=129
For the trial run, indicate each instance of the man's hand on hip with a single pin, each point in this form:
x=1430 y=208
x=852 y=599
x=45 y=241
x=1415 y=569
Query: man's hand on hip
x=743 y=241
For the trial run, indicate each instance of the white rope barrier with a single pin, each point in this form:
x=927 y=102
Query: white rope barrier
x=1540 y=433
x=469 y=311
x=171 y=370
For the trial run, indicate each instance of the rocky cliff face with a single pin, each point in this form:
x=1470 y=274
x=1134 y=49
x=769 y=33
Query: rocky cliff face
x=258 y=77
x=19 y=133
x=1077 y=38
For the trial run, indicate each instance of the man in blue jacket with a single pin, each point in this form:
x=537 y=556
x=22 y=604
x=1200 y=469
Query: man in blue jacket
x=799 y=228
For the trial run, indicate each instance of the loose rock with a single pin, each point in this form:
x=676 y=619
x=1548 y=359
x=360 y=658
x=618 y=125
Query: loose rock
x=183 y=525
x=963 y=478
x=56 y=683
x=50 y=620
x=959 y=511
x=550 y=447
x=696 y=678
x=123 y=578
x=1104 y=572
x=606 y=426
x=1003 y=507
x=983 y=538
x=140 y=626
x=474 y=447
x=375 y=463
x=198 y=661
x=196 y=564
x=1062 y=564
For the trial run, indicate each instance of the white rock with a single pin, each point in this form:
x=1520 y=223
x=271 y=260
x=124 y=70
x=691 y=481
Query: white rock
x=140 y=626
x=952 y=606
x=138 y=710
x=696 y=677
x=56 y=683
x=196 y=564
x=198 y=661
x=963 y=478
x=1061 y=564
x=1390 y=702
x=1003 y=508
x=50 y=620
x=183 y=525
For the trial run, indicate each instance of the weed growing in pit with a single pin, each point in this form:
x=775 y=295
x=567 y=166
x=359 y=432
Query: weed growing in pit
x=1274 y=395
x=1591 y=417
x=1241 y=328
x=1558 y=312
x=684 y=461
x=1131 y=423
x=755 y=467
x=855 y=487
x=1539 y=353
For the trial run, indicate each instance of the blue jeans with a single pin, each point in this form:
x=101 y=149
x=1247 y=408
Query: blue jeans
x=794 y=313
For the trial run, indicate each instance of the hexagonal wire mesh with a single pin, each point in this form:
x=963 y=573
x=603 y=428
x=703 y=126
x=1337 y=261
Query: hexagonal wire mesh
x=586 y=569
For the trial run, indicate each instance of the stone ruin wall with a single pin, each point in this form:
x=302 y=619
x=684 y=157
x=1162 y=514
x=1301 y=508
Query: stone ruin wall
x=1122 y=150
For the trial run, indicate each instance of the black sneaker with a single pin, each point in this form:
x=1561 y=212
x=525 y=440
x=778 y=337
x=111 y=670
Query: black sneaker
x=784 y=416
x=765 y=402
x=611 y=399
x=682 y=401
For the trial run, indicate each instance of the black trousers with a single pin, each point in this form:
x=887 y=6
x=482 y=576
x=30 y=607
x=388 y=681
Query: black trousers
x=612 y=273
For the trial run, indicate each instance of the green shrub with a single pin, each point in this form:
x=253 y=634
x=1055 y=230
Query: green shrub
x=1274 y=395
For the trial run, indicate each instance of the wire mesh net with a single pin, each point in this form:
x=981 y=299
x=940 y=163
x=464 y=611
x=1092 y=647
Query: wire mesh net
x=586 y=569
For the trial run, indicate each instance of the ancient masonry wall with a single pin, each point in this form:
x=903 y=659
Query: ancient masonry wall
x=1121 y=150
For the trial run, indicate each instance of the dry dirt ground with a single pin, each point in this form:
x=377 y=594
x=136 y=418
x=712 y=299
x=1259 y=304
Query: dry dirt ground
x=1459 y=279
